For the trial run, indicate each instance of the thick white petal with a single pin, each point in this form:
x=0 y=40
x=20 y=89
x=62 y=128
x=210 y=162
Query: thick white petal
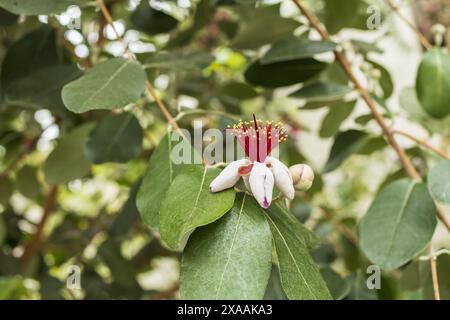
x=228 y=177
x=283 y=177
x=261 y=182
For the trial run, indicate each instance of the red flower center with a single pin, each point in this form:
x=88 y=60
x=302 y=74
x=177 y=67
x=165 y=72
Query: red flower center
x=257 y=140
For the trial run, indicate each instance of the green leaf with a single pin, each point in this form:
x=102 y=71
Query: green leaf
x=334 y=119
x=34 y=51
x=254 y=20
x=300 y=276
x=180 y=61
x=439 y=182
x=338 y=286
x=233 y=93
x=281 y=74
x=386 y=83
x=68 y=161
x=345 y=14
x=190 y=204
x=293 y=48
x=111 y=84
x=152 y=21
x=27 y=182
x=321 y=92
x=11 y=287
x=161 y=171
x=433 y=83
x=399 y=224
x=117 y=138
x=231 y=258
x=6 y=190
x=3 y=231
x=42 y=88
x=7 y=18
x=344 y=146
x=128 y=215
x=281 y=215
x=38 y=7
x=274 y=289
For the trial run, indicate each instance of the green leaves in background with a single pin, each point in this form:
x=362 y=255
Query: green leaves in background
x=152 y=21
x=293 y=48
x=6 y=190
x=345 y=14
x=322 y=92
x=7 y=18
x=42 y=89
x=332 y=121
x=351 y=142
x=443 y=271
x=68 y=161
x=111 y=84
x=338 y=286
x=38 y=7
x=439 y=182
x=34 y=71
x=190 y=204
x=282 y=74
x=399 y=224
x=180 y=61
x=299 y=274
x=161 y=171
x=253 y=31
x=117 y=138
x=27 y=182
x=231 y=258
x=433 y=83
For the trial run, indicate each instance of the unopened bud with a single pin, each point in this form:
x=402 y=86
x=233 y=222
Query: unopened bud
x=302 y=176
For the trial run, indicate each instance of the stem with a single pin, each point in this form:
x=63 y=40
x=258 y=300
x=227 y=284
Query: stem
x=422 y=143
x=387 y=131
x=35 y=243
x=425 y=43
x=434 y=274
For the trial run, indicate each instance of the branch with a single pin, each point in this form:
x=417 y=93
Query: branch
x=35 y=243
x=434 y=274
x=419 y=35
x=422 y=143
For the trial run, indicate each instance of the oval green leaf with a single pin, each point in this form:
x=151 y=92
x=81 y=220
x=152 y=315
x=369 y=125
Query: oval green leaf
x=282 y=74
x=190 y=204
x=439 y=182
x=111 y=84
x=68 y=161
x=117 y=138
x=38 y=7
x=399 y=224
x=221 y=257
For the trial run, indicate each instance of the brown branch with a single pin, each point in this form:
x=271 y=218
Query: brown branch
x=35 y=243
x=30 y=145
x=434 y=274
x=422 y=143
x=424 y=41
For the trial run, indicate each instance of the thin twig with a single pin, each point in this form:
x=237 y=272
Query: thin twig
x=35 y=243
x=434 y=274
x=422 y=143
x=424 y=41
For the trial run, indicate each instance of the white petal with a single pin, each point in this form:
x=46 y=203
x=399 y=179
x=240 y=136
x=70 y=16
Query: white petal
x=261 y=182
x=228 y=177
x=283 y=177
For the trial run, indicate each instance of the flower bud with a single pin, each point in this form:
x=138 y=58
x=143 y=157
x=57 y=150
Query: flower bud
x=302 y=176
